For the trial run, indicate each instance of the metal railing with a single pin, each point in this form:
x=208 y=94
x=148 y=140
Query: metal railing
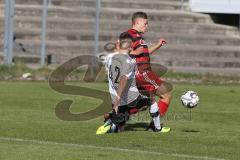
x=9 y=31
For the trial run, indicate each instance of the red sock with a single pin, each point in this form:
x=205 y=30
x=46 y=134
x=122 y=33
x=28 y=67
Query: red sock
x=163 y=107
x=133 y=111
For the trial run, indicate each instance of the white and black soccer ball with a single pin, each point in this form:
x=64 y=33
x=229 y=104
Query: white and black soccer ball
x=190 y=99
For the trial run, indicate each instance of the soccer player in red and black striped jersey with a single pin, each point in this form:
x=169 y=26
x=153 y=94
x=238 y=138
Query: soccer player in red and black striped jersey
x=125 y=95
x=145 y=77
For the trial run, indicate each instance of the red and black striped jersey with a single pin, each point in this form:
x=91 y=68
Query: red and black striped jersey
x=143 y=59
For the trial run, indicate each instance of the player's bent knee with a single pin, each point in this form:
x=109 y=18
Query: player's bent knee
x=164 y=88
x=167 y=97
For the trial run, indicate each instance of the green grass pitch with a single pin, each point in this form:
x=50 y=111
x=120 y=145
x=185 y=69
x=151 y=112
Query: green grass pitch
x=30 y=130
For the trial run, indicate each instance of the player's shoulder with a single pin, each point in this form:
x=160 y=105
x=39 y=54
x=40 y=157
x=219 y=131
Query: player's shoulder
x=109 y=57
x=123 y=58
x=128 y=59
x=119 y=56
x=134 y=33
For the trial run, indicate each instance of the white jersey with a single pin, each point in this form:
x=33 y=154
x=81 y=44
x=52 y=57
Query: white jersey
x=118 y=65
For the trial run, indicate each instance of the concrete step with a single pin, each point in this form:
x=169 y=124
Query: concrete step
x=110 y=13
x=110 y=25
x=35 y=2
x=117 y=3
x=170 y=56
x=206 y=70
x=169 y=51
x=60 y=34
x=88 y=35
x=194 y=39
x=161 y=5
x=197 y=51
x=217 y=62
x=26 y=58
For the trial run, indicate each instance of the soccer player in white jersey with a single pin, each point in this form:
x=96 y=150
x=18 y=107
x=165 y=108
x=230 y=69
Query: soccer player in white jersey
x=126 y=99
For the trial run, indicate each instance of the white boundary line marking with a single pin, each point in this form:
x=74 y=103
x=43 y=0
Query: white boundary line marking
x=107 y=148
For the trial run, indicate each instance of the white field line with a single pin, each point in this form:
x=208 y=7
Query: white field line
x=108 y=148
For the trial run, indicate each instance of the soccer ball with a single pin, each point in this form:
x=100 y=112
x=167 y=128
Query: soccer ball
x=190 y=99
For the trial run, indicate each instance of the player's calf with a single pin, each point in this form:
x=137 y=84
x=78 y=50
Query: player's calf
x=154 y=112
x=164 y=103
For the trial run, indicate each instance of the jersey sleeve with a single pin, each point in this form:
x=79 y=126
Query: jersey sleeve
x=137 y=40
x=138 y=43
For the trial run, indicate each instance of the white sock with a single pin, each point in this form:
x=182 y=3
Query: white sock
x=155 y=115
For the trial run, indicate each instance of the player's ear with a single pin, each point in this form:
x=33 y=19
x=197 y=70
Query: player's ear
x=118 y=44
x=130 y=50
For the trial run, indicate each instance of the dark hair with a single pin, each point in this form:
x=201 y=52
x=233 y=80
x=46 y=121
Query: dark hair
x=125 y=40
x=124 y=35
x=139 y=15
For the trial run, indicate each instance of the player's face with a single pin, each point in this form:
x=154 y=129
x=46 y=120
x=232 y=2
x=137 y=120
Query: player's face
x=123 y=46
x=143 y=25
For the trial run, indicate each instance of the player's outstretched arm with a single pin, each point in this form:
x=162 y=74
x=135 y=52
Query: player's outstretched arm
x=155 y=47
x=138 y=51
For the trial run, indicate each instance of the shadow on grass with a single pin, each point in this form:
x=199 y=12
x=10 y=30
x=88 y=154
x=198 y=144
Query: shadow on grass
x=190 y=130
x=136 y=126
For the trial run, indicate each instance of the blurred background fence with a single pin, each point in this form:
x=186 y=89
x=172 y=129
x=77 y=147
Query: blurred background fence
x=198 y=43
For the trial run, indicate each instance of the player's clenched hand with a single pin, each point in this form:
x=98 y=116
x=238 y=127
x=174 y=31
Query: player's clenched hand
x=162 y=42
x=115 y=108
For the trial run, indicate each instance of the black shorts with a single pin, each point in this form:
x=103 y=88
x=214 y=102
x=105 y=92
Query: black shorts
x=140 y=104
